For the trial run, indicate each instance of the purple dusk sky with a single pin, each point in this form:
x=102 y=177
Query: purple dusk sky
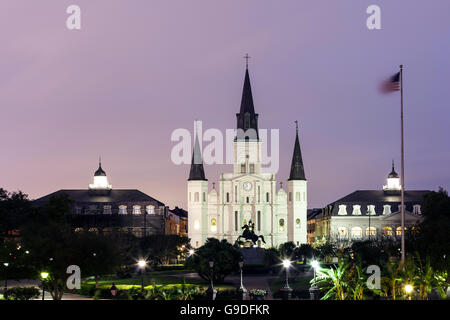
x=137 y=70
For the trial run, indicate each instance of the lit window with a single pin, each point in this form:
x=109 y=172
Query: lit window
x=122 y=209
x=386 y=209
x=398 y=231
x=356 y=210
x=371 y=231
x=213 y=225
x=387 y=231
x=342 y=233
x=356 y=233
x=416 y=209
x=371 y=210
x=136 y=209
x=281 y=225
x=342 y=210
x=196 y=224
x=150 y=209
x=297 y=223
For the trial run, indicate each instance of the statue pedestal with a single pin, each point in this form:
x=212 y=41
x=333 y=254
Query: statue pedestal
x=252 y=255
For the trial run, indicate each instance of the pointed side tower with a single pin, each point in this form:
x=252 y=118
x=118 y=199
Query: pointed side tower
x=197 y=199
x=297 y=197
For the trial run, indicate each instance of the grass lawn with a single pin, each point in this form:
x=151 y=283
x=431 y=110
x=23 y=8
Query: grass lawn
x=159 y=278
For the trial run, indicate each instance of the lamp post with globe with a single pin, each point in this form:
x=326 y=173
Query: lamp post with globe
x=242 y=292
x=314 y=290
x=286 y=290
x=211 y=291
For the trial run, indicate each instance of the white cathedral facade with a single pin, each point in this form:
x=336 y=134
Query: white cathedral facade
x=247 y=193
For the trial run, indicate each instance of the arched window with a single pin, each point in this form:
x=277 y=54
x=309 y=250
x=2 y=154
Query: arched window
x=356 y=210
x=267 y=197
x=122 y=209
x=281 y=225
x=78 y=229
x=228 y=197
x=371 y=231
x=356 y=233
x=387 y=231
x=342 y=233
x=297 y=223
x=371 y=210
x=151 y=209
x=196 y=224
x=213 y=225
x=236 y=221
x=342 y=210
x=136 y=209
x=386 y=209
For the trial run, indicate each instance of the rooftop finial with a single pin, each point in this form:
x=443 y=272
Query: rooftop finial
x=100 y=161
x=296 y=126
x=246 y=57
x=393 y=165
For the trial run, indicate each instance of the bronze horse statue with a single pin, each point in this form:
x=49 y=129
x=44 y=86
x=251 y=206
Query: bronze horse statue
x=249 y=234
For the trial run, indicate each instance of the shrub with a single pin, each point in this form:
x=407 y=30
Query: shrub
x=21 y=293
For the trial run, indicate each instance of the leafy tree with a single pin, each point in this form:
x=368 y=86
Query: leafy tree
x=53 y=246
x=14 y=209
x=226 y=258
x=163 y=248
x=305 y=251
x=287 y=249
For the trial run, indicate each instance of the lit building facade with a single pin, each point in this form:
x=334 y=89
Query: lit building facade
x=247 y=193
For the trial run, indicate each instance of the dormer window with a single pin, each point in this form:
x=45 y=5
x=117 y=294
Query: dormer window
x=342 y=210
x=416 y=209
x=371 y=210
x=150 y=209
x=386 y=209
x=106 y=209
x=122 y=209
x=136 y=209
x=356 y=210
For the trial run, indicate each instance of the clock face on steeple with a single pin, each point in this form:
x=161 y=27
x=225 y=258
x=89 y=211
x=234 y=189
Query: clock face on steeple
x=247 y=186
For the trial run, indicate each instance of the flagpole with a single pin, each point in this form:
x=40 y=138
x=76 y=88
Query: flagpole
x=403 y=168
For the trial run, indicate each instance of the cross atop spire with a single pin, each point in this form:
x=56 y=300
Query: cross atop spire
x=246 y=57
x=296 y=127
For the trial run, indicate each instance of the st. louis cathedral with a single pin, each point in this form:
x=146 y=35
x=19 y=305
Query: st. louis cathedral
x=247 y=193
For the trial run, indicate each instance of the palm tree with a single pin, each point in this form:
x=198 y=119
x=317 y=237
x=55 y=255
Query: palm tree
x=334 y=281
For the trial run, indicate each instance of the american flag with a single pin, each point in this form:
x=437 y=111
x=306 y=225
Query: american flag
x=392 y=84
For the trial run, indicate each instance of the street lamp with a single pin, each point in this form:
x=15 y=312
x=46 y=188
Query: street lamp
x=409 y=289
x=6 y=264
x=286 y=290
x=44 y=276
x=191 y=252
x=242 y=292
x=314 y=290
x=142 y=263
x=211 y=290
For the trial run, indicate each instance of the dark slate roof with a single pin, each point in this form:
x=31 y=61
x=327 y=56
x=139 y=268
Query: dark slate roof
x=110 y=196
x=179 y=212
x=297 y=169
x=247 y=118
x=378 y=198
x=100 y=171
x=393 y=174
x=314 y=213
x=197 y=172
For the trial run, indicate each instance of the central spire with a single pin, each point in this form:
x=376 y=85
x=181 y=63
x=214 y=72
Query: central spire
x=247 y=118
